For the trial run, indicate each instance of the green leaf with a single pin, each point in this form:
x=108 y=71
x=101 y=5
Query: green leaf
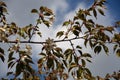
x=5 y=10
x=13 y=64
x=86 y=55
x=46 y=10
x=60 y=33
x=85 y=42
x=110 y=29
x=10 y=54
x=80 y=52
x=10 y=63
x=42 y=54
x=118 y=52
x=83 y=62
x=89 y=60
x=29 y=60
x=76 y=27
x=34 y=11
x=2 y=57
x=68 y=51
x=3 y=4
x=47 y=23
x=66 y=23
x=88 y=71
x=91 y=21
x=106 y=49
x=97 y=49
x=10 y=59
x=115 y=47
x=76 y=60
x=41 y=60
x=91 y=44
x=101 y=11
x=79 y=47
x=58 y=49
x=72 y=65
x=18 y=69
x=57 y=54
x=118 y=24
x=39 y=21
x=50 y=63
x=70 y=58
x=79 y=72
x=39 y=33
x=95 y=13
x=9 y=73
x=75 y=32
x=1 y=51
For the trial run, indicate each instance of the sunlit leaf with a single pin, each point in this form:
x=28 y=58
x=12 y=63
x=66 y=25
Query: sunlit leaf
x=72 y=65
x=66 y=23
x=79 y=72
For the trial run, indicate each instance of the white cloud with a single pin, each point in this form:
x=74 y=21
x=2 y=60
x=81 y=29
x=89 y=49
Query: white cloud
x=19 y=11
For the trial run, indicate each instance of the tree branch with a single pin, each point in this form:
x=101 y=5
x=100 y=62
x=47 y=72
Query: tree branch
x=33 y=42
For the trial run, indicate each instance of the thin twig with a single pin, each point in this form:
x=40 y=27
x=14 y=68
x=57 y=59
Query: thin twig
x=72 y=47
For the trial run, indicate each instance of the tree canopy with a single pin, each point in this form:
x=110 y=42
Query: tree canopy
x=56 y=63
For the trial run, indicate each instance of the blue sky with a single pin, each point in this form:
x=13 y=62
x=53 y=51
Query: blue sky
x=19 y=12
x=113 y=6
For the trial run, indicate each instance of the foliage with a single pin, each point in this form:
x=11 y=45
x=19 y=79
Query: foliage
x=55 y=62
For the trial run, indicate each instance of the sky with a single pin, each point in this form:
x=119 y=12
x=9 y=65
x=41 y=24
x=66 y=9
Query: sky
x=19 y=12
